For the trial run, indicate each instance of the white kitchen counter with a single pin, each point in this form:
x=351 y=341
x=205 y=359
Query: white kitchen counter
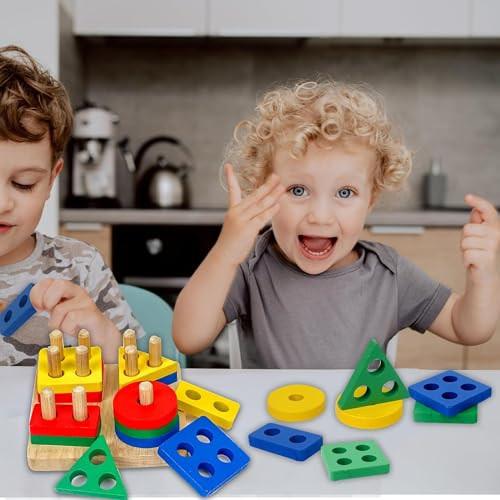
x=425 y=458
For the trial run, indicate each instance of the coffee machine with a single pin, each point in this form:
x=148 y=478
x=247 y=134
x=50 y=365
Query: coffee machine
x=93 y=159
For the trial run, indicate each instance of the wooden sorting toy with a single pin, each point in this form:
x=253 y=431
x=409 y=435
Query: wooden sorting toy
x=354 y=459
x=16 y=313
x=286 y=441
x=135 y=366
x=78 y=367
x=94 y=474
x=196 y=401
x=296 y=403
x=75 y=425
x=422 y=413
x=145 y=414
x=204 y=456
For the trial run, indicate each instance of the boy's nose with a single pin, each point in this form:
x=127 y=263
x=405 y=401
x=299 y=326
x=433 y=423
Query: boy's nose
x=321 y=213
x=6 y=202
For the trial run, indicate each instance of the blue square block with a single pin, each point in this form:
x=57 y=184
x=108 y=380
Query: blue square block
x=286 y=441
x=17 y=313
x=204 y=456
x=449 y=392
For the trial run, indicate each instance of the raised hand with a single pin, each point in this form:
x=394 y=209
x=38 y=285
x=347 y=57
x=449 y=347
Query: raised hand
x=481 y=240
x=246 y=217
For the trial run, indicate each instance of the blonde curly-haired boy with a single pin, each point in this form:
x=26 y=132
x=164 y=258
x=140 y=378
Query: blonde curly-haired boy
x=308 y=292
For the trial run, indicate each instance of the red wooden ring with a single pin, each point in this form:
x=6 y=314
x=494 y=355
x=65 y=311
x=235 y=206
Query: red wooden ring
x=129 y=412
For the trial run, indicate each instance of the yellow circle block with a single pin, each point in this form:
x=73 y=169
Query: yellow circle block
x=296 y=402
x=370 y=417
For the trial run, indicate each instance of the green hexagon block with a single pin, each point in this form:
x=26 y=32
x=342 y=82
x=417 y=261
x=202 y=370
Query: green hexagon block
x=352 y=459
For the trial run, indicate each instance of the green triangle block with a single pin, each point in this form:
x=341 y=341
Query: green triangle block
x=91 y=475
x=366 y=385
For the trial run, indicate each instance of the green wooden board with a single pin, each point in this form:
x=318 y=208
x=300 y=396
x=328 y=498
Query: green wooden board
x=422 y=413
x=372 y=371
x=92 y=474
x=354 y=459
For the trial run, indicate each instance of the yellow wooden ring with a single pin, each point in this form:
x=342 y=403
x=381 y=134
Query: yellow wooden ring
x=296 y=402
x=372 y=416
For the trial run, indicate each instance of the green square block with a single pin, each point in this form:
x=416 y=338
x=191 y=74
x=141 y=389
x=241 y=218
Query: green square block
x=354 y=459
x=422 y=413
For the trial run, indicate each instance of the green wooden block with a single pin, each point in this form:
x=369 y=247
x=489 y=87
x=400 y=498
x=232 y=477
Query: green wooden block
x=148 y=433
x=422 y=413
x=62 y=440
x=354 y=459
x=94 y=474
x=373 y=381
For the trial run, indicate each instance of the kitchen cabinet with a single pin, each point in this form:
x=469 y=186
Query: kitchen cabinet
x=437 y=252
x=144 y=18
x=97 y=235
x=34 y=26
x=485 y=15
x=405 y=18
x=278 y=18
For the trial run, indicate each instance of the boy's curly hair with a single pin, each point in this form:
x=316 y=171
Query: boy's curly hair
x=28 y=91
x=324 y=112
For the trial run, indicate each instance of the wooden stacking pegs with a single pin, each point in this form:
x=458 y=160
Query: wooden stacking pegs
x=56 y=338
x=131 y=361
x=154 y=351
x=129 y=338
x=82 y=361
x=54 y=362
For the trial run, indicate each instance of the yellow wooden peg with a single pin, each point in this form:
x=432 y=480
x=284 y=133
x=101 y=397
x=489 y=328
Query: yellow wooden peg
x=296 y=402
x=375 y=416
x=196 y=401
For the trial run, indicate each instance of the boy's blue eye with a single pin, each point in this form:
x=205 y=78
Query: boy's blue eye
x=345 y=193
x=23 y=187
x=298 y=191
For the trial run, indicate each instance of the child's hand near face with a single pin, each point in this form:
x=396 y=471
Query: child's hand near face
x=481 y=240
x=70 y=309
x=245 y=218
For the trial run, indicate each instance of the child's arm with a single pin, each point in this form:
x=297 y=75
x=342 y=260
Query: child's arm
x=198 y=313
x=71 y=309
x=471 y=318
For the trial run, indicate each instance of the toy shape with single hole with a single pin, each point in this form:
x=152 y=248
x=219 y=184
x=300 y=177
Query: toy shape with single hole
x=296 y=402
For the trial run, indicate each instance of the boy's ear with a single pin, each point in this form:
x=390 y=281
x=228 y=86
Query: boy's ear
x=56 y=170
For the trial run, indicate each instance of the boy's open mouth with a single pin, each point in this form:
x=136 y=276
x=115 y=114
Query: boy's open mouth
x=316 y=247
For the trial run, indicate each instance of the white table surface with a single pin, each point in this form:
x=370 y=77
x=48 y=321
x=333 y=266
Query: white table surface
x=425 y=458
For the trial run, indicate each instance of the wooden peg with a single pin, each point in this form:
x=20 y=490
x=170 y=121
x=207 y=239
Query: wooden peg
x=154 y=351
x=146 y=396
x=129 y=338
x=79 y=400
x=56 y=338
x=48 y=404
x=84 y=338
x=131 y=361
x=82 y=361
x=54 y=361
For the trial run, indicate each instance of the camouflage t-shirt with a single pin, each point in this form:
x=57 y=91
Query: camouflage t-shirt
x=59 y=258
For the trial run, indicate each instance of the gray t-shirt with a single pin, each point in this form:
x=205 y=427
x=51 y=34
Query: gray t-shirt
x=59 y=258
x=291 y=319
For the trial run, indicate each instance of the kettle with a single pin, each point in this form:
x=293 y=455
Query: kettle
x=162 y=184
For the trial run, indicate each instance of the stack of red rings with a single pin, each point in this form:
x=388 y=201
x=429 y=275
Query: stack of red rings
x=145 y=426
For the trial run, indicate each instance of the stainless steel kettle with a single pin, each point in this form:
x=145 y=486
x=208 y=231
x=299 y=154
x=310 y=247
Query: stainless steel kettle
x=162 y=184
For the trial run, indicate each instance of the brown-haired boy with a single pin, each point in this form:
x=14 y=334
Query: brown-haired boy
x=73 y=289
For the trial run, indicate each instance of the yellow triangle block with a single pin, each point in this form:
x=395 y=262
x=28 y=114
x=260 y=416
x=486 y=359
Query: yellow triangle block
x=199 y=402
x=168 y=368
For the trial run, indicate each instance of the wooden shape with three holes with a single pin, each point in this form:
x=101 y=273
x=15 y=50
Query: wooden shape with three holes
x=296 y=402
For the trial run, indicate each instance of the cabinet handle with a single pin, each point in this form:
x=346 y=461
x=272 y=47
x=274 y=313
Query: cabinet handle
x=154 y=246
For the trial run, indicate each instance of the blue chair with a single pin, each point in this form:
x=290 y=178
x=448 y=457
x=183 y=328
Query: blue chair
x=155 y=316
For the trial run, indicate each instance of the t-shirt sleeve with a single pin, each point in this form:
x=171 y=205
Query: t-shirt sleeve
x=236 y=303
x=420 y=298
x=102 y=287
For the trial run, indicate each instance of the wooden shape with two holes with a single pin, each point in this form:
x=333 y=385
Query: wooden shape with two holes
x=374 y=381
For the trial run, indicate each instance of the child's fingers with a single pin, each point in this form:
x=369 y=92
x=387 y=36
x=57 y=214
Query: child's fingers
x=483 y=210
x=474 y=258
x=474 y=243
x=264 y=203
x=272 y=182
x=232 y=185
x=472 y=229
x=264 y=217
x=57 y=291
x=38 y=291
x=61 y=310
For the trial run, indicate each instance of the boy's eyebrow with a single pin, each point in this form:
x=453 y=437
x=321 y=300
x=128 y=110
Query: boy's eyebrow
x=32 y=169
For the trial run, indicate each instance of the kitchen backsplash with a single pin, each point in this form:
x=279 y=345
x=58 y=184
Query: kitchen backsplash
x=445 y=100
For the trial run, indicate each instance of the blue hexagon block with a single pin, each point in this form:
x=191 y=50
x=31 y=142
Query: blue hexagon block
x=17 y=313
x=449 y=392
x=204 y=456
x=286 y=441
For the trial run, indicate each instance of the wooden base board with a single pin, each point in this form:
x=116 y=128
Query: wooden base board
x=61 y=458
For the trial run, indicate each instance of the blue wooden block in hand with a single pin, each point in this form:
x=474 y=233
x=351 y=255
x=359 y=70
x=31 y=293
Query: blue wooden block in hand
x=17 y=313
x=449 y=392
x=286 y=441
x=204 y=456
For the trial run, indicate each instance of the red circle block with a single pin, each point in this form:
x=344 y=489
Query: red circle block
x=129 y=412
